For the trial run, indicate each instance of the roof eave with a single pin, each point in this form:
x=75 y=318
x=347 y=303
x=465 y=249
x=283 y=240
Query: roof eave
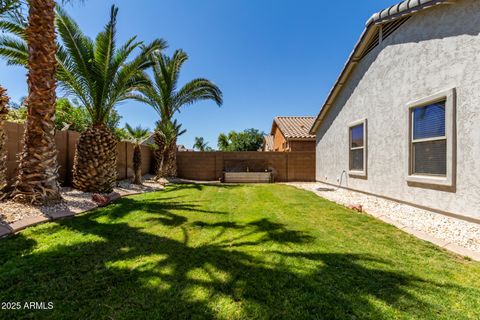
x=372 y=24
x=352 y=61
x=301 y=139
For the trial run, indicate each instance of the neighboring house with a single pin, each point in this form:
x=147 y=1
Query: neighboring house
x=149 y=140
x=182 y=148
x=402 y=120
x=267 y=143
x=290 y=134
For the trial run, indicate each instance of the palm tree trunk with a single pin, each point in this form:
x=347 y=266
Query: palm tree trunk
x=160 y=166
x=137 y=164
x=3 y=138
x=171 y=160
x=95 y=162
x=166 y=157
x=159 y=154
x=37 y=180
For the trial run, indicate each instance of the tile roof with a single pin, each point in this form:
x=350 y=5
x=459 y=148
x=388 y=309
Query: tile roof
x=295 y=127
x=402 y=9
x=268 y=143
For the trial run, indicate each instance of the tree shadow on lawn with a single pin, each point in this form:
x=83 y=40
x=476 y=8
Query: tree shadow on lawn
x=162 y=208
x=199 y=186
x=127 y=272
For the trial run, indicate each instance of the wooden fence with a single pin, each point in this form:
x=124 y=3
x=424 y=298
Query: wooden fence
x=285 y=166
x=66 y=143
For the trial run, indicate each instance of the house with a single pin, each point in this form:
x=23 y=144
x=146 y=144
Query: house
x=402 y=120
x=182 y=148
x=290 y=134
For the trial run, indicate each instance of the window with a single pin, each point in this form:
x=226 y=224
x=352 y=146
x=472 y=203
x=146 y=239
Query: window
x=429 y=143
x=431 y=139
x=358 y=148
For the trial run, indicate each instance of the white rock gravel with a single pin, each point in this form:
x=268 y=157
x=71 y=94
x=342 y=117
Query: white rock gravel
x=451 y=230
x=74 y=201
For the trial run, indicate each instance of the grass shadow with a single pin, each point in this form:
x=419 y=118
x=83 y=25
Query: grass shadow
x=116 y=269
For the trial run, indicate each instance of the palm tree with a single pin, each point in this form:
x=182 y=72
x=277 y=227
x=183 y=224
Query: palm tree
x=167 y=132
x=200 y=144
x=162 y=94
x=6 y=8
x=100 y=75
x=223 y=142
x=37 y=179
x=136 y=136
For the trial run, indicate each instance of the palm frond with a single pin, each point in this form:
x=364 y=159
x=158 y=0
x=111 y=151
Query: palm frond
x=14 y=51
x=78 y=46
x=13 y=46
x=169 y=131
x=197 y=90
x=136 y=134
x=98 y=72
x=161 y=92
x=14 y=26
x=7 y=6
x=200 y=144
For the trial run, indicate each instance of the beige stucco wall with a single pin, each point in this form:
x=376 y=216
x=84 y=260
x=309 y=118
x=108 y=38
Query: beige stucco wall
x=435 y=50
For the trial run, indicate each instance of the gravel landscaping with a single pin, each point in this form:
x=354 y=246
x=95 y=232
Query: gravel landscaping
x=462 y=233
x=74 y=201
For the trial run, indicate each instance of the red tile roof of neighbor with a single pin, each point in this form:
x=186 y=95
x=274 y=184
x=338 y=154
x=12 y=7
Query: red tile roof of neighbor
x=295 y=127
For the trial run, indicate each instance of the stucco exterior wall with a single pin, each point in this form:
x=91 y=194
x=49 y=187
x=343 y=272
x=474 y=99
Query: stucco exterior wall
x=435 y=50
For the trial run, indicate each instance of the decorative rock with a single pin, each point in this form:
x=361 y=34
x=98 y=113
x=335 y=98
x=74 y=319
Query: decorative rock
x=100 y=199
x=74 y=202
x=357 y=207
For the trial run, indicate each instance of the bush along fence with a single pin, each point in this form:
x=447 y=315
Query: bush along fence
x=66 y=143
x=209 y=166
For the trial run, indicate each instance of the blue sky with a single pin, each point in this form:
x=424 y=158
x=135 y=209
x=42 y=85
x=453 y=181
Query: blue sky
x=269 y=57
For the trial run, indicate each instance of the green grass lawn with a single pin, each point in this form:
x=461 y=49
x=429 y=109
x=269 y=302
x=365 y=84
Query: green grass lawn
x=232 y=252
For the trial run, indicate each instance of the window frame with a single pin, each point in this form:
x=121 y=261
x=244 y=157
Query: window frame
x=358 y=173
x=449 y=96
